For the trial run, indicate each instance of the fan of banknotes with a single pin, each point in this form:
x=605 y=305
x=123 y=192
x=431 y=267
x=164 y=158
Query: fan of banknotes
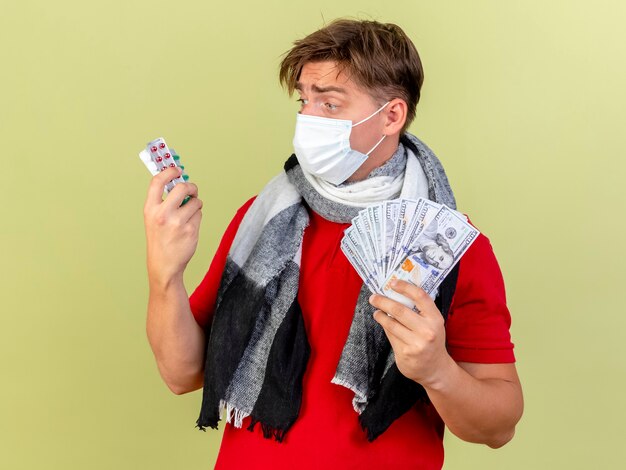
x=418 y=241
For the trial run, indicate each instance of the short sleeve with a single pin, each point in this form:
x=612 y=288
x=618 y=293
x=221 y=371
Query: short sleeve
x=202 y=300
x=479 y=321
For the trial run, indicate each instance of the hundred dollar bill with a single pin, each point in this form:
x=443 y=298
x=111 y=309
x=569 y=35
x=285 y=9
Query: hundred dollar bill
x=355 y=242
x=390 y=215
x=354 y=259
x=433 y=254
x=406 y=212
x=424 y=214
x=374 y=215
x=363 y=229
x=403 y=227
x=369 y=238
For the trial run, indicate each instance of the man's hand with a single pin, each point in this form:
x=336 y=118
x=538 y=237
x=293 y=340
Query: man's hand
x=171 y=230
x=479 y=403
x=417 y=338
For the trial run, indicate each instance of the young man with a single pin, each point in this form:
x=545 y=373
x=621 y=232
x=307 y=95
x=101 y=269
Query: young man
x=281 y=332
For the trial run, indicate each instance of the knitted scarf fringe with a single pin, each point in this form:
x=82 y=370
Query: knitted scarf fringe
x=268 y=431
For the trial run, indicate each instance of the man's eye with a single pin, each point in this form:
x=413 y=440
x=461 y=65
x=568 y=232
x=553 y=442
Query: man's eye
x=330 y=106
x=303 y=101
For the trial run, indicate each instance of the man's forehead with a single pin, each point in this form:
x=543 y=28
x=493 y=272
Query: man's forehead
x=324 y=75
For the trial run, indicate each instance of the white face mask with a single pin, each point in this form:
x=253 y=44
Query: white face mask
x=322 y=146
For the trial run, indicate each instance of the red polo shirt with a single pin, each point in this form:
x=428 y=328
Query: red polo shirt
x=327 y=433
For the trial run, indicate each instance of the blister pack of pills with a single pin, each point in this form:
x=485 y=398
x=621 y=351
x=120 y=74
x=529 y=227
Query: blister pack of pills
x=157 y=157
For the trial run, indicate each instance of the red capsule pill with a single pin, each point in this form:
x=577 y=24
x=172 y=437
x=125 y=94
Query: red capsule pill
x=162 y=145
x=167 y=155
x=153 y=148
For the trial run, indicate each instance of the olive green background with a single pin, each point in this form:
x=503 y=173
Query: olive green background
x=523 y=102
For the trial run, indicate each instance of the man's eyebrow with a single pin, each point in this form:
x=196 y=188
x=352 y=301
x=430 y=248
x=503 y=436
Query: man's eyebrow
x=324 y=89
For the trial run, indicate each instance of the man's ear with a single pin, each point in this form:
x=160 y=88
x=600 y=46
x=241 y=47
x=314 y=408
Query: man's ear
x=395 y=113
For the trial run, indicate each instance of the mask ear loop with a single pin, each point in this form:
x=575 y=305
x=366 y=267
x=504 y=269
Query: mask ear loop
x=374 y=113
x=374 y=147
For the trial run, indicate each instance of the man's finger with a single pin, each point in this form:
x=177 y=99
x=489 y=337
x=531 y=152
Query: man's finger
x=395 y=331
x=195 y=219
x=398 y=311
x=423 y=302
x=177 y=195
x=157 y=185
x=187 y=211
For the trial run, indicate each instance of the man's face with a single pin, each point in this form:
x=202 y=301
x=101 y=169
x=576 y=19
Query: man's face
x=435 y=255
x=328 y=92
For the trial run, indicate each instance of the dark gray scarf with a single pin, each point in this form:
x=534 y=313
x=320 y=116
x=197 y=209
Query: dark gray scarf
x=257 y=348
